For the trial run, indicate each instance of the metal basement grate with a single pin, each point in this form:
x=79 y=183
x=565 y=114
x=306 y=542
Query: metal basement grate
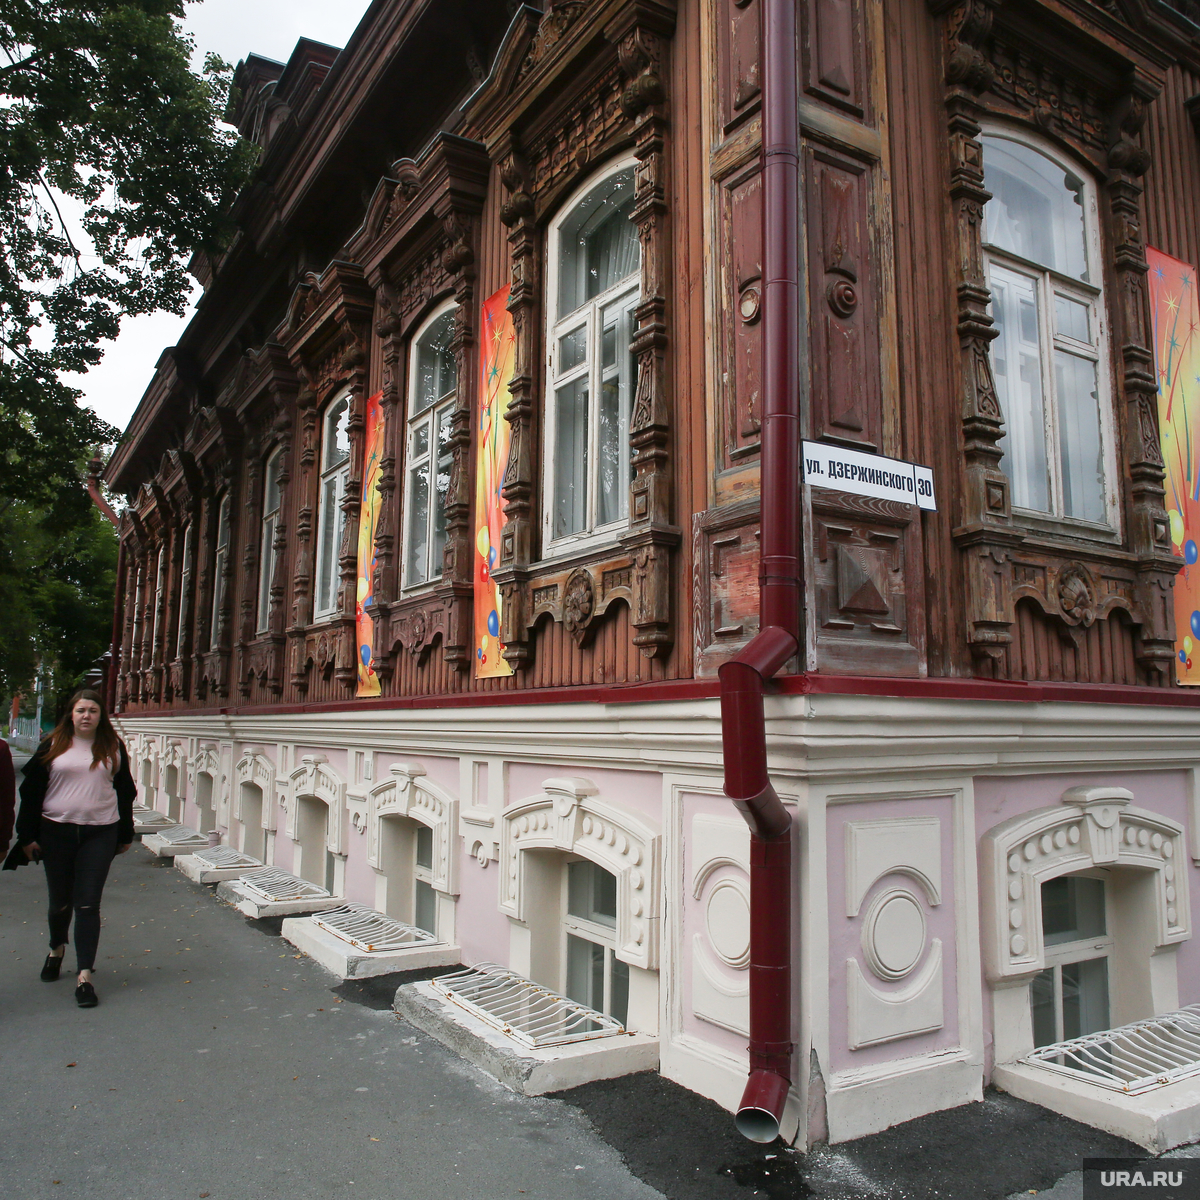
x=275 y=885
x=526 y=1011
x=370 y=930
x=150 y=819
x=181 y=835
x=1134 y=1058
x=225 y=857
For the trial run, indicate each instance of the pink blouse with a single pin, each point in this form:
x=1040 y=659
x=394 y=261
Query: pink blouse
x=77 y=794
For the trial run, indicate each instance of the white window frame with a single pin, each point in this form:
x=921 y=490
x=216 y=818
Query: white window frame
x=267 y=554
x=594 y=932
x=1047 y=284
x=330 y=510
x=423 y=874
x=627 y=294
x=428 y=421
x=1063 y=954
x=220 y=558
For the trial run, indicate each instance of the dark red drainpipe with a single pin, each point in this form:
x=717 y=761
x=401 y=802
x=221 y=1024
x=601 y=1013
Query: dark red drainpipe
x=93 y=487
x=743 y=678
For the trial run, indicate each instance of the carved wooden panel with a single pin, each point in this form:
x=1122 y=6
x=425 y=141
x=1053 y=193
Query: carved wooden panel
x=739 y=89
x=843 y=302
x=865 y=592
x=833 y=54
x=739 y=324
x=725 y=554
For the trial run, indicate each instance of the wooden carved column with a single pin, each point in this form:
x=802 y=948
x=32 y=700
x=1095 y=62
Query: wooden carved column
x=641 y=47
x=130 y=634
x=354 y=360
x=1149 y=530
x=516 y=543
x=305 y=565
x=251 y=551
x=277 y=612
x=221 y=654
x=456 y=588
x=385 y=585
x=985 y=532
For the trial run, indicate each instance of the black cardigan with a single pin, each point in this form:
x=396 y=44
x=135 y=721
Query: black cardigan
x=33 y=792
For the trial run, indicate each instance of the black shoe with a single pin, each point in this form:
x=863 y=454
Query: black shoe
x=85 y=996
x=51 y=967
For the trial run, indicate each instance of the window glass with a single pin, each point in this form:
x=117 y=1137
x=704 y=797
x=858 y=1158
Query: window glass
x=219 y=572
x=1072 y=909
x=1036 y=210
x=1047 y=310
x=593 y=372
x=436 y=374
x=598 y=243
x=267 y=549
x=430 y=454
x=592 y=893
x=424 y=846
x=185 y=589
x=335 y=455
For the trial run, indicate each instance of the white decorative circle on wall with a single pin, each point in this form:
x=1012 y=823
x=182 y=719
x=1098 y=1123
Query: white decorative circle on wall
x=894 y=934
x=727 y=918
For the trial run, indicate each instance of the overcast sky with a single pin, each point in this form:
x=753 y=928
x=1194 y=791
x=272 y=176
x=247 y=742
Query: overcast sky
x=233 y=28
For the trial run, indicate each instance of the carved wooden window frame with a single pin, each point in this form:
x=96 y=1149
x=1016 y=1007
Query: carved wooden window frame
x=268 y=553
x=448 y=403
x=1086 y=85
x=593 y=535
x=1054 y=521
x=327 y=570
x=222 y=554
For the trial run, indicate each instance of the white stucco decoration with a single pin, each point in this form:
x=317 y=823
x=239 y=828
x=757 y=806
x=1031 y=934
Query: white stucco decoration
x=566 y=816
x=315 y=777
x=1091 y=827
x=206 y=761
x=875 y=1016
x=893 y=845
x=256 y=768
x=893 y=934
x=408 y=793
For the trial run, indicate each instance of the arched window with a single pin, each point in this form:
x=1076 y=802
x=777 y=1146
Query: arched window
x=432 y=382
x=266 y=558
x=222 y=556
x=335 y=471
x=593 y=263
x=1041 y=241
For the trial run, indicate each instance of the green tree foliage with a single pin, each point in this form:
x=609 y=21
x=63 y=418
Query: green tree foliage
x=97 y=106
x=58 y=565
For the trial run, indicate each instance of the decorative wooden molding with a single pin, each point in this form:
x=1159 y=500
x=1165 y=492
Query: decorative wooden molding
x=419 y=242
x=1089 y=93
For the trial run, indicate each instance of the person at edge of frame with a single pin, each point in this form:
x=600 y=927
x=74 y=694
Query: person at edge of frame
x=76 y=815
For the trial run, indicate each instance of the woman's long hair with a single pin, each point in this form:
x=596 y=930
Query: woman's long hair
x=105 y=749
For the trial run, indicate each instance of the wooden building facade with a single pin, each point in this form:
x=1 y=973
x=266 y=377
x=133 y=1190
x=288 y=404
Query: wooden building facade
x=980 y=182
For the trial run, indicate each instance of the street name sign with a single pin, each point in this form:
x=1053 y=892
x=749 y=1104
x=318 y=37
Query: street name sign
x=829 y=466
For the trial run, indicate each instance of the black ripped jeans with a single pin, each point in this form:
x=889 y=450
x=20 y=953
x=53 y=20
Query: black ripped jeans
x=76 y=858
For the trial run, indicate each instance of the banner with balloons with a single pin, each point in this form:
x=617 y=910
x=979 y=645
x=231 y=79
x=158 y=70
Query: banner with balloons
x=497 y=347
x=1176 y=317
x=368 y=519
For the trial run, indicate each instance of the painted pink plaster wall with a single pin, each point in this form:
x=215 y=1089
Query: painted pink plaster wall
x=439 y=770
x=845 y=933
x=693 y=923
x=360 y=875
x=482 y=928
x=284 y=854
x=635 y=791
x=999 y=798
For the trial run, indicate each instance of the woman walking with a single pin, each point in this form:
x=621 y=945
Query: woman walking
x=76 y=813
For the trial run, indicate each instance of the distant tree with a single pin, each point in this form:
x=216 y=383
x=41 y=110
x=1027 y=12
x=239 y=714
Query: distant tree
x=97 y=105
x=58 y=565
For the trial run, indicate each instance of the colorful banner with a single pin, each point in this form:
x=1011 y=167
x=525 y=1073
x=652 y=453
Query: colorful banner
x=1176 y=316
x=497 y=347
x=368 y=519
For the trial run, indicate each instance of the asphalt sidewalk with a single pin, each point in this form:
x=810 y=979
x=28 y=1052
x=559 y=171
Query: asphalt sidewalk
x=222 y=1064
